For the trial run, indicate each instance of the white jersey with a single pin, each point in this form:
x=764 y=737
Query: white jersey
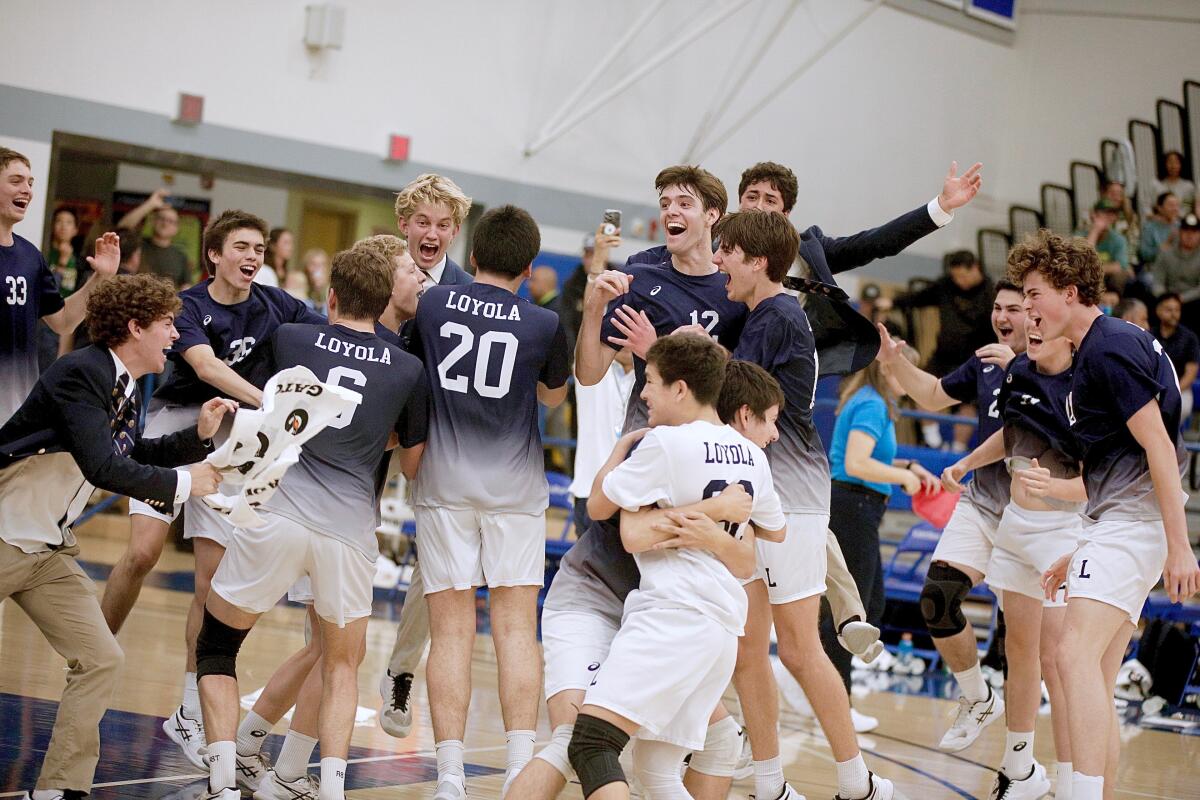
x=676 y=466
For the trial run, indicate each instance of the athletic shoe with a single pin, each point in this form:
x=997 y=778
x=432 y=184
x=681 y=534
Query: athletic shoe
x=451 y=787
x=59 y=794
x=858 y=638
x=744 y=768
x=1032 y=787
x=970 y=720
x=188 y=733
x=273 y=787
x=223 y=794
x=788 y=793
x=251 y=771
x=862 y=722
x=396 y=715
x=881 y=789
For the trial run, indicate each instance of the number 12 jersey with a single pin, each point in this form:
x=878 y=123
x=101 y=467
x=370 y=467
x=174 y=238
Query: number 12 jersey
x=485 y=350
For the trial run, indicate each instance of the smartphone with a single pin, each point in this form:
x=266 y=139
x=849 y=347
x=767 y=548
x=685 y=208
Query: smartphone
x=612 y=221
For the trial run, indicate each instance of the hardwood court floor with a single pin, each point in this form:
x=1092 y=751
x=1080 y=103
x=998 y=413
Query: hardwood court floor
x=138 y=761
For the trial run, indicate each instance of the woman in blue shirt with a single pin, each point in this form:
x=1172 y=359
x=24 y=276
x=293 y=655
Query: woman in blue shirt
x=864 y=467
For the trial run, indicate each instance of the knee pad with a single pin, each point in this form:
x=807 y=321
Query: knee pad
x=722 y=749
x=941 y=600
x=555 y=753
x=657 y=766
x=217 y=647
x=595 y=753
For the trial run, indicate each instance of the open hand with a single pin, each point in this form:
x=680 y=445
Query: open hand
x=958 y=190
x=637 y=329
x=108 y=255
x=889 y=348
x=1035 y=479
x=1055 y=578
x=996 y=353
x=211 y=414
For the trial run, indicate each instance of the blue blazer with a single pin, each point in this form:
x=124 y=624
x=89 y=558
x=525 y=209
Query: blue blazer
x=70 y=410
x=829 y=255
x=454 y=275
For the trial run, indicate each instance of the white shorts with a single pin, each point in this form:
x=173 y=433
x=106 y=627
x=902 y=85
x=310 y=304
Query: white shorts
x=968 y=538
x=1027 y=544
x=1118 y=562
x=261 y=564
x=794 y=568
x=666 y=671
x=574 y=643
x=301 y=592
x=464 y=548
x=200 y=520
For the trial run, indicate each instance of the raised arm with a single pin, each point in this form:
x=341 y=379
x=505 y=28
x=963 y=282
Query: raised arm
x=924 y=388
x=104 y=263
x=133 y=219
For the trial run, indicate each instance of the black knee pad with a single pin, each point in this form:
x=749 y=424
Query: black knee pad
x=941 y=600
x=595 y=753
x=217 y=647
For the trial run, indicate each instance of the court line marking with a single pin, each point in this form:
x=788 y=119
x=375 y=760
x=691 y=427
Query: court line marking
x=364 y=760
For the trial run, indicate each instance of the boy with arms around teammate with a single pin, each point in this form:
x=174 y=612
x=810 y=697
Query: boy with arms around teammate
x=756 y=250
x=961 y=558
x=688 y=607
x=1123 y=407
x=481 y=497
x=321 y=520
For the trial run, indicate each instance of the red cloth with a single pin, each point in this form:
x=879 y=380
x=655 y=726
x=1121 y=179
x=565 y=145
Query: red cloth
x=935 y=507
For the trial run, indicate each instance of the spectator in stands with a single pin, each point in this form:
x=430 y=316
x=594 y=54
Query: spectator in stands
x=1110 y=243
x=63 y=259
x=543 y=288
x=571 y=312
x=280 y=246
x=1177 y=268
x=1181 y=344
x=160 y=256
x=1110 y=298
x=1127 y=223
x=1133 y=310
x=1172 y=180
x=295 y=283
x=1161 y=227
x=315 y=264
x=963 y=297
x=863 y=463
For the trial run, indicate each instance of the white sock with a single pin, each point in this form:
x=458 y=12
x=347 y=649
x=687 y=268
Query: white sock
x=1087 y=787
x=1062 y=787
x=251 y=734
x=932 y=433
x=972 y=684
x=294 y=756
x=191 y=696
x=333 y=778
x=450 y=758
x=768 y=778
x=1018 y=755
x=221 y=758
x=520 y=749
x=853 y=778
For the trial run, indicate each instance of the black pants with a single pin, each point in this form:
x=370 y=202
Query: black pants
x=855 y=519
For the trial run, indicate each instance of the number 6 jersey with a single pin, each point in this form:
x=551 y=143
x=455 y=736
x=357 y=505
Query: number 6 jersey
x=485 y=351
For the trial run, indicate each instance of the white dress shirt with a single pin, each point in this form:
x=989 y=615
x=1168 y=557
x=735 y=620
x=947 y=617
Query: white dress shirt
x=435 y=274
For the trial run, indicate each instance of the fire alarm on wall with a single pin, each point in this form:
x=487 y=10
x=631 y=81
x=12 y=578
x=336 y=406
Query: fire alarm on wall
x=191 y=109
x=398 y=147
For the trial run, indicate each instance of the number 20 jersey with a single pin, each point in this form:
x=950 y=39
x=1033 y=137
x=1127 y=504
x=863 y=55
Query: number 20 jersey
x=485 y=350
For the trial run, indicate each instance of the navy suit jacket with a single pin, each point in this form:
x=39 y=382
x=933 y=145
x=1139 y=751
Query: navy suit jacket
x=70 y=410
x=454 y=275
x=829 y=255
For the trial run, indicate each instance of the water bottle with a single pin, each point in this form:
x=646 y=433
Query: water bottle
x=904 y=652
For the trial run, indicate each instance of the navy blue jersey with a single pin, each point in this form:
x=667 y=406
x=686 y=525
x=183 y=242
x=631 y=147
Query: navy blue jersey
x=485 y=350
x=387 y=334
x=334 y=488
x=28 y=292
x=1033 y=407
x=670 y=300
x=777 y=336
x=979 y=383
x=233 y=332
x=1119 y=368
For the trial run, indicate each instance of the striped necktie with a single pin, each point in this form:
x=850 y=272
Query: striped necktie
x=125 y=416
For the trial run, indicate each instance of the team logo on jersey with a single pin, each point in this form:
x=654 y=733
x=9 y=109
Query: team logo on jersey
x=207 y=318
x=988 y=368
x=296 y=422
x=655 y=290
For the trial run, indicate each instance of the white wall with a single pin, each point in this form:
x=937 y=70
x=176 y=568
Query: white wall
x=870 y=129
x=38 y=154
x=267 y=202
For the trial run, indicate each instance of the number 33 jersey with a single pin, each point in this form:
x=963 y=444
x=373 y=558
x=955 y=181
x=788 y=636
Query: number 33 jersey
x=676 y=466
x=485 y=350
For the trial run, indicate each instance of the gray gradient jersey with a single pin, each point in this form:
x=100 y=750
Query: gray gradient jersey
x=979 y=383
x=1119 y=368
x=28 y=292
x=334 y=488
x=778 y=338
x=485 y=350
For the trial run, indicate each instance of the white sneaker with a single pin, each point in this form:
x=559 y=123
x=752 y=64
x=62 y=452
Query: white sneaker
x=451 y=787
x=188 y=733
x=251 y=771
x=970 y=720
x=273 y=787
x=1032 y=787
x=862 y=722
x=881 y=789
x=395 y=717
x=788 y=793
x=223 y=794
x=857 y=637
